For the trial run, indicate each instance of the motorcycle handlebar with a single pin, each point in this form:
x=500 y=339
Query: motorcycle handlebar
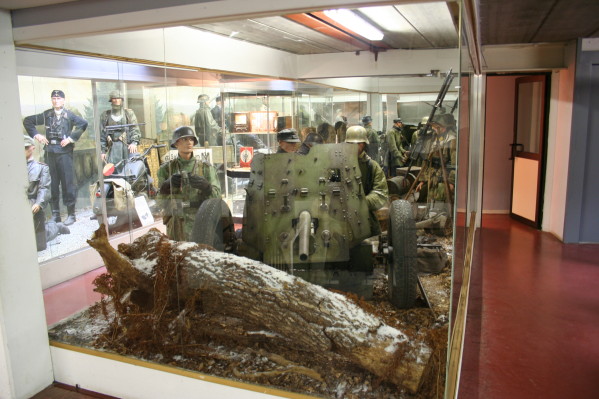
x=146 y=152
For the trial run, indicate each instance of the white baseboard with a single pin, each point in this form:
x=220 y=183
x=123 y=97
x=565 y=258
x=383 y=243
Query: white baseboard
x=130 y=378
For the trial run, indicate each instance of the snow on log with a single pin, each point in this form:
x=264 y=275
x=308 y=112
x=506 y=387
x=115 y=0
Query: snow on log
x=309 y=316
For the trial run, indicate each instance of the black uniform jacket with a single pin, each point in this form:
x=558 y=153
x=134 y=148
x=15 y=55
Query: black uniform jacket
x=69 y=126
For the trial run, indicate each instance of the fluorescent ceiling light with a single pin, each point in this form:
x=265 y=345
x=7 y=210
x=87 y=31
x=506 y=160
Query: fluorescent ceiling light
x=351 y=21
x=388 y=18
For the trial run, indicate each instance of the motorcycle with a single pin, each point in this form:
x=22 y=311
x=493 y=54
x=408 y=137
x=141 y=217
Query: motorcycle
x=125 y=181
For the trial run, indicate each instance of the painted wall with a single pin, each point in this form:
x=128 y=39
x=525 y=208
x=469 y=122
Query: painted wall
x=25 y=366
x=499 y=131
x=558 y=150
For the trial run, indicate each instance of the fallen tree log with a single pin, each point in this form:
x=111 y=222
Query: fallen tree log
x=157 y=274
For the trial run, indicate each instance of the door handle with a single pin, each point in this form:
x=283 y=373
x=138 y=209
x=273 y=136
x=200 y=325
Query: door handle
x=515 y=149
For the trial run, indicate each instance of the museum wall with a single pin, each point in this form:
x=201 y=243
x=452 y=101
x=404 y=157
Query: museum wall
x=25 y=365
x=558 y=150
x=499 y=134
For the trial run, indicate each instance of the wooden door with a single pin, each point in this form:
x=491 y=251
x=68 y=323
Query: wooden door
x=527 y=149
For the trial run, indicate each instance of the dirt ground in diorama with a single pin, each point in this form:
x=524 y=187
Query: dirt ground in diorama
x=218 y=347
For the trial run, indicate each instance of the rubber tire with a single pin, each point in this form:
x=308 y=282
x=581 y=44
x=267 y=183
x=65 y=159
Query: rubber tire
x=402 y=272
x=212 y=221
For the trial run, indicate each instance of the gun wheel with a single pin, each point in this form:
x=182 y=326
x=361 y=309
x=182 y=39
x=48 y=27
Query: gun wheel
x=402 y=273
x=213 y=224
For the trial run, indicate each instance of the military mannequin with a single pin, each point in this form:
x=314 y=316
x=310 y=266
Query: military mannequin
x=206 y=127
x=373 y=178
x=62 y=129
x=418 y=156
x=38 y=193
x=185 y=182
x=373 y=139
x=399 y=146
x=217 y=113
x=442 y=149
x=311 y=140
x=288 y=141
x=340 y=129
x=117 y=144
x=326 y=131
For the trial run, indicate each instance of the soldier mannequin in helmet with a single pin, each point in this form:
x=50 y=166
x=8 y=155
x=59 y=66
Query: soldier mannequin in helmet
x=373 y=138
x=288 y=141
x=399 y=146
x=340 y=129
x=311 y=140
x=373 y=178
x=62 y=129
x=117 y=144
x=442 y=150
x=326 y=131
x=38 y=193
x=206 y=127
x=185 y=182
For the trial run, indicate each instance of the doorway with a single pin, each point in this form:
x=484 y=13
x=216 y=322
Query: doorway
x=501 y=123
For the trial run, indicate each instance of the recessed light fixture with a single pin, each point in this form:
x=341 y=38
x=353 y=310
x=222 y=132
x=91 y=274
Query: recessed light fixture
x=352 y=21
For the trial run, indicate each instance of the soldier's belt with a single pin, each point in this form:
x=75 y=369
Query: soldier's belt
x=54 y=141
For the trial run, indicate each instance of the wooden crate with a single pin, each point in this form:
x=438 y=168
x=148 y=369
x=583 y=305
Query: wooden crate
x=153 y=157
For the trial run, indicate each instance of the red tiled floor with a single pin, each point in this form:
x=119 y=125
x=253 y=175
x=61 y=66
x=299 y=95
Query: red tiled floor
x=533 y=319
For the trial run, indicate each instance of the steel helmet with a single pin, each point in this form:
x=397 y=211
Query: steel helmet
x=356 y=134
x=183 y=131
x=444 y=120
x=115 y=94
x=313 y=138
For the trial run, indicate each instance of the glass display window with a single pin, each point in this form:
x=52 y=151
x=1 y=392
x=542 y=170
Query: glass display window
x=208 y=171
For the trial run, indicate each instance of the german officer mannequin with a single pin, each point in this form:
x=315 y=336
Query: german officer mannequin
x=62 y=130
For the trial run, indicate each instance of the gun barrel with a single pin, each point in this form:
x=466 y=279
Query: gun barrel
x=113 y=127
x=303 y=231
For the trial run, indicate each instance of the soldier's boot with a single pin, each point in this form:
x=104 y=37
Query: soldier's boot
x=56 y=216
x=71 y=218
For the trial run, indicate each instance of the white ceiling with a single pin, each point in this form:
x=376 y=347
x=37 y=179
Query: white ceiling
x=501 y=21
x=415 y=26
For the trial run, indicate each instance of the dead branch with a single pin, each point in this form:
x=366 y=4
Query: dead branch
x=311 y=318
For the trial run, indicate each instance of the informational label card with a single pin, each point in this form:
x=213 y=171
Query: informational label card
x=143 y=211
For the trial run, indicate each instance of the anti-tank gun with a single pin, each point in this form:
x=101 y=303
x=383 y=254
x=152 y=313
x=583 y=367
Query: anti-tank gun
x=402 y=185
x=306 y=209
x=421 y=147
x=308 y=215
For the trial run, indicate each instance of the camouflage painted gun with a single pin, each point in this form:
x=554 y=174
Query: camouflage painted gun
x=308 y=215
